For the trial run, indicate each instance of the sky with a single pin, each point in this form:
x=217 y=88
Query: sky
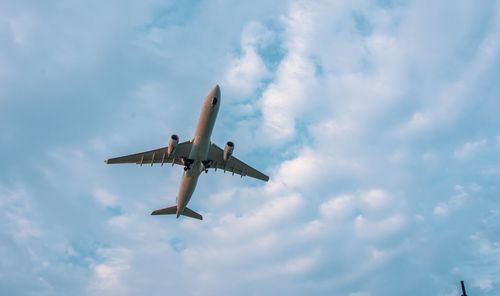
x=377 y=122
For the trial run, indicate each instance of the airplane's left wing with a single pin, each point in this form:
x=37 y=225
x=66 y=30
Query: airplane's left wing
x=155 y=156
x=233 y=165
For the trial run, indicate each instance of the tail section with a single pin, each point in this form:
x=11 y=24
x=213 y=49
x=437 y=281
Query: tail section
x=173 y=211
x=190 y=213
x=165 y=211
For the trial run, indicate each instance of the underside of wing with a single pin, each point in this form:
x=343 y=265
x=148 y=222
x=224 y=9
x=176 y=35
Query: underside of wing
x=159 y=155
x=233 y=164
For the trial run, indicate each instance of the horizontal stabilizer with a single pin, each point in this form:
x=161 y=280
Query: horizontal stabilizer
x=165 y=211
x=190 y=213
x=173 y=210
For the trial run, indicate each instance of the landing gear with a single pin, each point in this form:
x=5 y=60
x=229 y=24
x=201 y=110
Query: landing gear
x=206 y=164
x=187 y=163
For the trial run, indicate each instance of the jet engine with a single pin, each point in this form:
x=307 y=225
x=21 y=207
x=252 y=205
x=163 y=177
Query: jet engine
x=228 y=150
x=172 y=144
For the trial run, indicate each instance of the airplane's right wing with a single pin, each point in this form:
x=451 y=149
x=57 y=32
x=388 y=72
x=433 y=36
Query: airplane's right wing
x=233 y=165
x=155 y=156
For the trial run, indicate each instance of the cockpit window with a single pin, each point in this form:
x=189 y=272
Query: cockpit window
x=214 y=101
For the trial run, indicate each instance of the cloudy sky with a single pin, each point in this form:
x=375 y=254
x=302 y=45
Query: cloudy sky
x=377 y=121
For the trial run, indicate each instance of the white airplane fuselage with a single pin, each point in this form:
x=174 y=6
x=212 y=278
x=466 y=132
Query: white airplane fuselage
x=200 y=148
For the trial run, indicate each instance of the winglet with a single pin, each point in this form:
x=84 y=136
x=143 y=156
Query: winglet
x=106 y=161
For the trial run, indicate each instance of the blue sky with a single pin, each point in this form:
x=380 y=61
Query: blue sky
x=377 y=122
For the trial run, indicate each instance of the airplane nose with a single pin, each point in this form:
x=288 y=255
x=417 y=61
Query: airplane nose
x=216 y=91
x=213 y=96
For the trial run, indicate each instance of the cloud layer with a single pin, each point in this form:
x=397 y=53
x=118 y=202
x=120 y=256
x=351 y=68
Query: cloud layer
x=376 y=120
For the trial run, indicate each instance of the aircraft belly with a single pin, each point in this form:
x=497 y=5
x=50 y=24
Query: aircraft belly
x=200 y=151
x=201 y=140
x=186 y=190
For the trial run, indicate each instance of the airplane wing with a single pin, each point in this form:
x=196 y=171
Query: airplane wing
x=233 y=165
x=155 y=156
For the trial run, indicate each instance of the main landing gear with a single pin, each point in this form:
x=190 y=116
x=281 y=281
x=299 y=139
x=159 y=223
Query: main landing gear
x=206 y=165
x=187 y=163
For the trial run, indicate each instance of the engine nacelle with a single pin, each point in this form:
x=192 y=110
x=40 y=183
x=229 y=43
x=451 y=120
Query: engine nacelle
x=228 y=150
x=172 y=144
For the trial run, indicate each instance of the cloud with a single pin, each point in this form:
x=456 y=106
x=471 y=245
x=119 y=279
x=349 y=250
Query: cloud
x=375 y=199
x=371 y=230
x=107 y=276
x=338 y=207
x=456 y=201
x=469 y=149
x=17 y=211
x=246 y=72
x=362 y=113
x=105 y=198
x=285 y=98
x=370 y=214
x=453 y=97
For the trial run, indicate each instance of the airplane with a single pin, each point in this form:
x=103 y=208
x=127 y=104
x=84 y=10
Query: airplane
x=197 y=155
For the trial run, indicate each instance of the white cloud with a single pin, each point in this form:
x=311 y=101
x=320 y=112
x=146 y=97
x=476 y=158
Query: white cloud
x=377 y=230
x=104 y=197
x=338 y=207
x=312 y=168
x=121 y=221
x=287 y=96
x=418 y=121
x=107 y=278
x=301 y=264
x=469 y=149
x=371 y=214
x=446 y=102
x=18 y=213
x=301 y=172
x=267 y=215
x=376 y=199
x=453 y=203
x=245 y=73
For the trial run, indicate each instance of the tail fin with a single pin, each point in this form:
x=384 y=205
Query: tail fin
x=173 y=210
